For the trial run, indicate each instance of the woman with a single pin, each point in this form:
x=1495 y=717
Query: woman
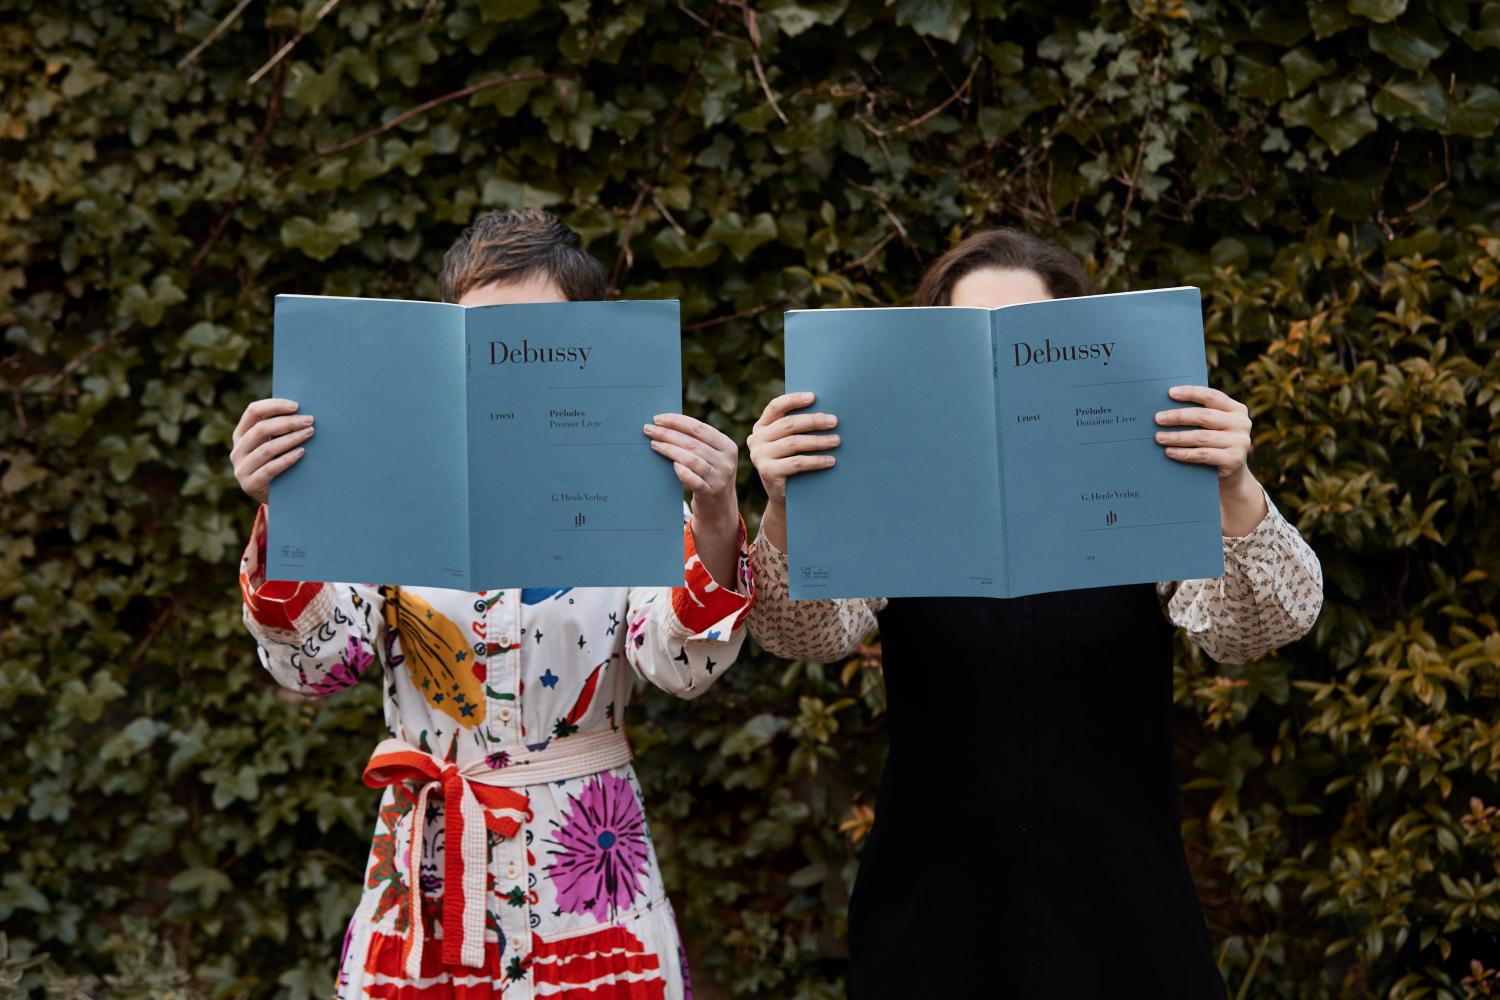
x=1026 y=841
x=504 y=709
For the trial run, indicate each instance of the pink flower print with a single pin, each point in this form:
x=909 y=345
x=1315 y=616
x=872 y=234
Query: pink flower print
x=600 y=862
x=636 y=634
x=347 y=671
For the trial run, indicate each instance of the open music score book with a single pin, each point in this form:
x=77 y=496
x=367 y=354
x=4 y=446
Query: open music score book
x=1000 y=452
x=477 y=447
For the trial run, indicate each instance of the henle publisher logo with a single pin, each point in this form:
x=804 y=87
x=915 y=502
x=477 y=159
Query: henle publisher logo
x=579 y=521
x=1111 y=517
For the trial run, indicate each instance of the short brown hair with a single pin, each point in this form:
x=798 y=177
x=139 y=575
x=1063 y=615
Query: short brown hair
x=518 y=243
x=1005 y=250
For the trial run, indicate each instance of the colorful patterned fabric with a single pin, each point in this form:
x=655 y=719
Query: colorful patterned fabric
x=573 y=899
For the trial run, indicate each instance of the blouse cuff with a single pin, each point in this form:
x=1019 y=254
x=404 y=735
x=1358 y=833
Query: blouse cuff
x=706 y=610
x=1253 y=548
x=279 y=606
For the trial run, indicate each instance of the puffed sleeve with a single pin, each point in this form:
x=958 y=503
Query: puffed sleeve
x=1270 y=594
x=316 y=638
x=682 y=639
x=823 y=630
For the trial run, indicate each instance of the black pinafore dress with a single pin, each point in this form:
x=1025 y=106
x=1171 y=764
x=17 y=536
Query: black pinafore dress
x=1027 y=835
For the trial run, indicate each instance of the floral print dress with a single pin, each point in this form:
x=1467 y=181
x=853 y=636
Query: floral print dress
x=505 y=684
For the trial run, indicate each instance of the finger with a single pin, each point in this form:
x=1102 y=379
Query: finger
x=1203 y=439
x=272 y=449
x=689 y=478
x=260 y=409
x=799 y=424
x=1206 y=396
x=705 y=432
x=267 y=430
x=785 y=468
x=782 y=405
x=686 y=442
x=260 y=482
x=1202 y=417
x=1219 y=457
x=682 y=456
x=797 y=444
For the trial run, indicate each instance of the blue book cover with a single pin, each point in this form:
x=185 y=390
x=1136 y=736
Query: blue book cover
x=1000 y=452
x=477 y=447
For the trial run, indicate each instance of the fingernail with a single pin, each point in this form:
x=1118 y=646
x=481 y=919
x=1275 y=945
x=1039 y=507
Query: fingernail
x=1175 y=392
x=835 y=439
x=807 y=397
x=1174 y=452
x=300 y=452
x=1161 y=415
x=1161 y=437
x=649 y=428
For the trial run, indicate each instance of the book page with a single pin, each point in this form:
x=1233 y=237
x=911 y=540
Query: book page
x=381 y=495
x=912 y=506
x=566 y=490
x=1091 y=499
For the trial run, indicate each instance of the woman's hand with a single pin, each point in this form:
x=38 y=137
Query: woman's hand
x=1220 y=437
x=267 y=441
x=784 y=444
x=705 y=460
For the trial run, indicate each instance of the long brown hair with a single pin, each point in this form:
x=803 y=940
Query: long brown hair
x=1005 y=250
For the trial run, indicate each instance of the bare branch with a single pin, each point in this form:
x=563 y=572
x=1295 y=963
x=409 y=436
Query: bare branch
x=422 y=108
x=219 y=29
x=282 y=52
x=754 y=32
x=882 y=133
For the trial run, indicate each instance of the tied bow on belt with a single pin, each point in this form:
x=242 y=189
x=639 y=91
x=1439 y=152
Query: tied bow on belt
x=471 y=806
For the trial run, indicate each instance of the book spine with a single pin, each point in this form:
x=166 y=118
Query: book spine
x=1005 y=583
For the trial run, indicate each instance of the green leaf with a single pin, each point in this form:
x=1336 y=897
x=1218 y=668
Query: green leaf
x=1412 y=44
x=1487 y=35
x=507 y=10
x=939 y=18
x=1328 y=17
x=795 y=16
x=1336 y=111
x=1423 y=100
x=752 y=736
x=1007 y=57
x=1229 y=252
x=1303 y=68
x=672 y=250
x=21 y=471
x=208 y=883
x=1258 y=80
x=320 y=240
x=808 y=876
x=742 y=240
x=1270 y=25
x=1379 y=11
x=1477 y=114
